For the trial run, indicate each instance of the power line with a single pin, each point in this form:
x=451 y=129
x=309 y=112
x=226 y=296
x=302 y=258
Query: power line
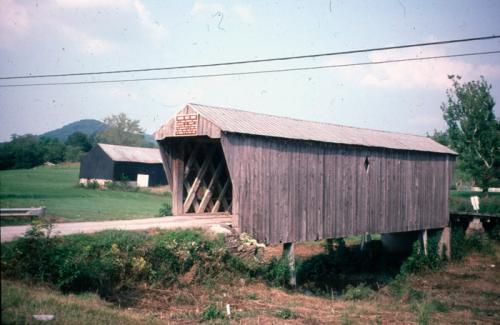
x=252 y=72
x=308 y=56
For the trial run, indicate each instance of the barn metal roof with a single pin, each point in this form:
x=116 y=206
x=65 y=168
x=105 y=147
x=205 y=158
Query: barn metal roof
x=238 y=121
x=132 y=154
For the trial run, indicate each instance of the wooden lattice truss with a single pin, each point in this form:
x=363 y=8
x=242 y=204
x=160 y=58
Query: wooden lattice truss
x=207 y=186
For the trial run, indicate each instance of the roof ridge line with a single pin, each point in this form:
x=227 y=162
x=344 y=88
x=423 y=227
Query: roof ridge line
x=309 y=121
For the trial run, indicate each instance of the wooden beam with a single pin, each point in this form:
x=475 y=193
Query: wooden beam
x=187 y=168
x=208 y=192
x=178 y=179
x=224 y=202
x=188 y=188
x=197 y=181
x=203 y=184
x=221 y=198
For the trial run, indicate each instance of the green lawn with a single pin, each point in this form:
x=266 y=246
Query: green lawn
x=57 y=189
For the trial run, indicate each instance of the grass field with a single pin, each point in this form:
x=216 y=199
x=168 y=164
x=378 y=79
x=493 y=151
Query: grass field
x=57 y=188
x=21 y=301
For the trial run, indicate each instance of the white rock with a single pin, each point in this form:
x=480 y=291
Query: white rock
x=44 y=318
x=218 y=229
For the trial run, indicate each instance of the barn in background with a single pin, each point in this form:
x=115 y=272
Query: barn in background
x=137 y=166
x=287 y=180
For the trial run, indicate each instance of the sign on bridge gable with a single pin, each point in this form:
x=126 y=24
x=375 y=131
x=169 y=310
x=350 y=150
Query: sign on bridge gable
x=186 y=124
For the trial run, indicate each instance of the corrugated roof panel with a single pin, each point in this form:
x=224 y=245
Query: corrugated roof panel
x=238 y=121
x=132 y=154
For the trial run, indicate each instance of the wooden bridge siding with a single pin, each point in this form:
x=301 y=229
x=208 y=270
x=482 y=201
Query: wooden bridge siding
x=292 y=191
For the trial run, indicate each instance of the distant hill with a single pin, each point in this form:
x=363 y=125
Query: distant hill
x=88 y=127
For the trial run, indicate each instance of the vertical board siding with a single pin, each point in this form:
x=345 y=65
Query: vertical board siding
x=289 y=191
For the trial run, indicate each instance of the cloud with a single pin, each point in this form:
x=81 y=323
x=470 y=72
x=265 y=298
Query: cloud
x=244 y=13
x=24 y=22
x=84 y=42
x=14 y=23
x=155 y=30
x=421 y=74
x=201 y=8
x=92 y=3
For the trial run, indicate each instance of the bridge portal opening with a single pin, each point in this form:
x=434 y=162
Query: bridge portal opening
x=207 y=185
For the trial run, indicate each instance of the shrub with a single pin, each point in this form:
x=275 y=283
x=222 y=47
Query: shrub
x=165 y=210
x=212 y=312
x=361 y=291
x=112 y=260
x=425 y=310
x=286 y=313
x=458 y=249
x=462 y=245
x=276 y=272
x=94 y=185
x=399 y=286
x=479 y=242
x=120 y=186
x=418 y=261
x=424 y=313
x=494 y=232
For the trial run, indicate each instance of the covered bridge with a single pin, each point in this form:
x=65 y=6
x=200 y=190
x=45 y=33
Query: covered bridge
x=107 y=162
x=287 y=180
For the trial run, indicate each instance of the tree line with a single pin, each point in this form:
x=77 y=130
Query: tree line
x=27 y=151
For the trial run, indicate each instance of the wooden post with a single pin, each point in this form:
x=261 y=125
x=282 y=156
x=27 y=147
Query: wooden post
x=365 y=238
x=177 y=180
x=422 y=238
x=289 y=256
x=445 y=243
x=329 y=245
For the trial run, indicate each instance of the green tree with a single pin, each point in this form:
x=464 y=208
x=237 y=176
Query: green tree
x=440 y=137
x=23 y=151
x=73 y=154
x=53 y=150
x=474 y=131
x=81 y=140
x=122 y=131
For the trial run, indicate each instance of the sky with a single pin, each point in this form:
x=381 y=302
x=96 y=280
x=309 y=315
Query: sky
x=65 y=36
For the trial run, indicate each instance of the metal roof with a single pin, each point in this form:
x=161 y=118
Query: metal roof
x=132 y=154
x=238 y=121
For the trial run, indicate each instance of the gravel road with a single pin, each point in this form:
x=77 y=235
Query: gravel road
x=179 y=222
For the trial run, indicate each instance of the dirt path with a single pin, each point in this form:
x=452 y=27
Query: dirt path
x=60 y=229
